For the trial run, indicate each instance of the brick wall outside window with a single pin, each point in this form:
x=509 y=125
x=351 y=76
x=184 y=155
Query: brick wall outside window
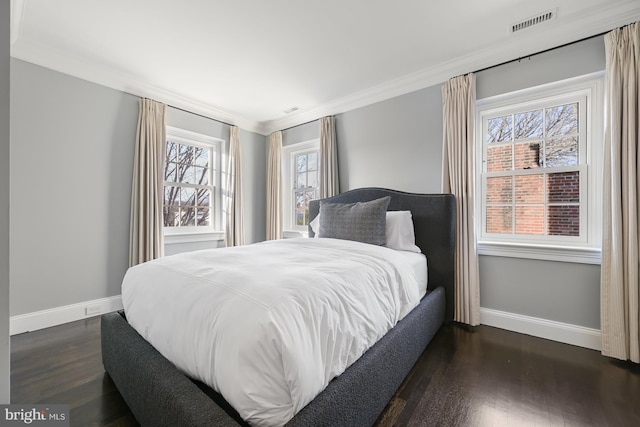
x=528 y=190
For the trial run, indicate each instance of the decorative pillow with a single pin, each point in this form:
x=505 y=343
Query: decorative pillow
x=361 y=221
x=399 y=231
x=400 y=234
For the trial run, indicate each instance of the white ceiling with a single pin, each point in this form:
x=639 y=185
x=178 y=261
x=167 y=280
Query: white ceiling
x=246 y=61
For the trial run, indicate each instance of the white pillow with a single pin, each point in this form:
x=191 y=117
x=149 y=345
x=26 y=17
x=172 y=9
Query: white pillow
x=399 y=231
x=400 y=234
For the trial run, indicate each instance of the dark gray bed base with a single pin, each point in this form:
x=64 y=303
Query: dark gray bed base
x=160 y=395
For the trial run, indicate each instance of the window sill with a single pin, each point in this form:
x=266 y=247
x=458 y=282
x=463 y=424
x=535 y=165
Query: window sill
x=549 y=253
x=174 y=239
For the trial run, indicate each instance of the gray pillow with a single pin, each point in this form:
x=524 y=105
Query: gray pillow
x=362 y=221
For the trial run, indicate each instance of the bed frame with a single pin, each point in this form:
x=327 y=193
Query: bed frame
x=159 y=395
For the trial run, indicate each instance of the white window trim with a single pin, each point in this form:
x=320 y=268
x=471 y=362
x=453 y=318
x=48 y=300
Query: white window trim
x=175 y=235
x=589 y=250
x=288 y=153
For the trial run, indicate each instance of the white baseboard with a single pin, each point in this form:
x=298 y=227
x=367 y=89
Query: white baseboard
x=59 y=315
x=542 y=328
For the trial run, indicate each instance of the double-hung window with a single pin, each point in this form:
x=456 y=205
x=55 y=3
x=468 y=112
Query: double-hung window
x=191 y=183
x=301 y=182
x=538 y=172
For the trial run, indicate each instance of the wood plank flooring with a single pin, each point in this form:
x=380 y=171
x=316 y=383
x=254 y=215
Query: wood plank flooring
x=478 y=376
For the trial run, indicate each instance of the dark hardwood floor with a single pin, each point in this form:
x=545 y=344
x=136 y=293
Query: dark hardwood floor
x=479 y=376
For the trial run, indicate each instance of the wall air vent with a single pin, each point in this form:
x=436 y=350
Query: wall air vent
x=534 y=20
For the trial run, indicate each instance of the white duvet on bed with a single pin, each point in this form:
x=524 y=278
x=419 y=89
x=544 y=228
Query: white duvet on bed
x=269 y=325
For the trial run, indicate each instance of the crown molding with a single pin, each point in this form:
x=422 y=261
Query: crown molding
x=586 y=24
x=564 y=30
x=113 y=78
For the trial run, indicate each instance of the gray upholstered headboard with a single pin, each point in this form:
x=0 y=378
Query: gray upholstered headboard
x=434 y=221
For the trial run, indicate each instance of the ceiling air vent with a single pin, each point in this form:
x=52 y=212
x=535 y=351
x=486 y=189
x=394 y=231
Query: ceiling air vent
x=534 y=20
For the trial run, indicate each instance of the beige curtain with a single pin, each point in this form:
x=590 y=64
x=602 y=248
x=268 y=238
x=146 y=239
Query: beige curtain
x=274 y=187
x=620 y=281
x=329 y=179
x=146 y=235
x=458 y=99
x=234 y=233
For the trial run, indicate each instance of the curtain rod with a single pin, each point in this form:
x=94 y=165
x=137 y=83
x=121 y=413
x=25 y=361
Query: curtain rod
x=538 y=53
x=301 y=124
x=199 y=115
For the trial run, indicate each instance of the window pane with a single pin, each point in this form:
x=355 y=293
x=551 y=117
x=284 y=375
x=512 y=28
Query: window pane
x=499 y=129
x=312 y=179
x=563 y=187
x=499 y=189
x=202 y=217
x=301 y=162
x=529 y=125
x=301 y=180
x=170 y=215
x=204 y=197
x=499 y=158
x=561 y=152
x=301 y=207
x=187 y=174
x=187 y=196
x=172 y=151
x=187 y=217
x=170 y=172
x=530 y=220
x=171 y=195
x=563 y=220
x=312 y=161
x=529 y=189
x=201 y=175
x=499 y=219
x=527 y=155
x=185 y=154
x=201 y=157
x=562 y=120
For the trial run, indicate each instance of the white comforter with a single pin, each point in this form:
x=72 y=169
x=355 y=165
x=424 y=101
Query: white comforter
x=269 y=325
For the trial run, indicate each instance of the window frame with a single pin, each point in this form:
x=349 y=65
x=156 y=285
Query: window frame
x=587 y=247
x=215 y=147
x=289 y=154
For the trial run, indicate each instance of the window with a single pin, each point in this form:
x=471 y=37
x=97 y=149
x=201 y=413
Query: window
x=537 y=172
x=301 y=172
x=191 y=183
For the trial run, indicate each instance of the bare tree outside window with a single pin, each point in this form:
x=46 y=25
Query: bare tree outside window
x=188 y=190
x=306 y=184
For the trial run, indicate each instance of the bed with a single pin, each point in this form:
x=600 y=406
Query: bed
x=161 y=395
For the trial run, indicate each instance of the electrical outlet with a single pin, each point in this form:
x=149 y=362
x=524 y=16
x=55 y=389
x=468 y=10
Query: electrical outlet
x=92 y=310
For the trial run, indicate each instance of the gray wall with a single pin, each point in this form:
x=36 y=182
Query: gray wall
x=71 y=165
x=394 y=144
x=5 y=353
x=397 y=144
x=72 y=154
x=302 y=133
x=254 y=186
x=563 y=292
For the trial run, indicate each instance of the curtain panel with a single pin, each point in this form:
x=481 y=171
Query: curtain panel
x=146 y=232
x=234 y=232
x=274 y=187
x=620 y=237
x=458 y=98
x=329 y=177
